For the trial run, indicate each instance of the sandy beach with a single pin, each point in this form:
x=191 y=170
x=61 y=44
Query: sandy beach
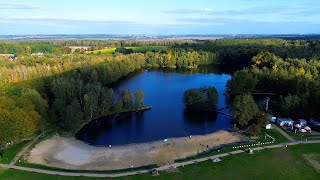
x=70 y=153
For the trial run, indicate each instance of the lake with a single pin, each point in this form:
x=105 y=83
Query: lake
x=163 y=90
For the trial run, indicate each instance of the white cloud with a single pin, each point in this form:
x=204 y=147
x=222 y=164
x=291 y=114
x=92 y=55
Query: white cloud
x=17 y=5
x=188 y=11
x=60 y=20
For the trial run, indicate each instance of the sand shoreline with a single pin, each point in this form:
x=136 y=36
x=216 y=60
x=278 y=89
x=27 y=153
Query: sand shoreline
x=70 y=153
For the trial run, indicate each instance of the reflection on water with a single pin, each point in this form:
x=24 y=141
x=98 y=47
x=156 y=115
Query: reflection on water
x=163 y=90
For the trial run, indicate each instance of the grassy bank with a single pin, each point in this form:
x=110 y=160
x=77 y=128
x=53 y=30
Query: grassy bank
x=10 y=152
x=279 y=138
x=280 y=163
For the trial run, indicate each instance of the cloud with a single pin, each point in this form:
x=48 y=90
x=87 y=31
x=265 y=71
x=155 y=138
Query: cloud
x=16 y=5
x=59 y=20
x=213 y=20
x=188 y=11
x=307 y=9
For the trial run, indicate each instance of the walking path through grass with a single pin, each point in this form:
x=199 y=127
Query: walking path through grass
x=167 y=167
x=283 y=133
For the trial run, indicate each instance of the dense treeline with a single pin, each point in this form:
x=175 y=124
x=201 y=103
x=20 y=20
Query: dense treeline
x=76 y=103
x=295 y=81
x=202 y=99
x=18 y=47
x=73 y=87
x=107 y=67
x=239 y=52
x=21 y=114
x=22 y=48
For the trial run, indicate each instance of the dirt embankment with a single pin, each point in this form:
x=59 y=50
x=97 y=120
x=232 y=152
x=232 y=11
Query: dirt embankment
x=70 y=153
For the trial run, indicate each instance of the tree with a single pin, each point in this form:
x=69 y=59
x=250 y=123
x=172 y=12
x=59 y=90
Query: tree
x=290 y=104
x=73 y=118
x=204 y=98
x=254 y=130
x=126 y=98
x=243 y=81
x=138 y=96
x=266 y=103
x=106 y=100
x=244 y=109
x=212 y=95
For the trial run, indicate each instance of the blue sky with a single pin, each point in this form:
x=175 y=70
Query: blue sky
x=159 y=16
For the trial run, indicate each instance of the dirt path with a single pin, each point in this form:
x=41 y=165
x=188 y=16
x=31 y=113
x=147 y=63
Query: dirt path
x=69 y=153
x=148 y=171
x=283 y=133
x=24 y=150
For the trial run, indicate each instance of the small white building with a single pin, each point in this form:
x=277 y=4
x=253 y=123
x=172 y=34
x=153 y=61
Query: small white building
x=268 y=126
x=37 y=54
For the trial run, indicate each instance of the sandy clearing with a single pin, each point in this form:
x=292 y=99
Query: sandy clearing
x=70 y=153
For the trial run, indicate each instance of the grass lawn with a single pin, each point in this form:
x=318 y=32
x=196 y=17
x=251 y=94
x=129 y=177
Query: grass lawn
x=279 y=163
x=11 y=151
x=300 y=137
x=39 y=166
x=279 y=138
x=136 y=49
x=275 y=134
x=17 y=174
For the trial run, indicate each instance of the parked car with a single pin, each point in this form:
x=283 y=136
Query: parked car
x=315 y=124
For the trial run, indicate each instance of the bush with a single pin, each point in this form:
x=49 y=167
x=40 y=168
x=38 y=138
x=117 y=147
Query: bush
x=235 y=128
x=254 y=130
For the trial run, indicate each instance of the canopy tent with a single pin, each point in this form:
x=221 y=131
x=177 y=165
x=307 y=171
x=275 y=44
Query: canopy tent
x=284 y=122
x=314 y=122
x=302 y=122
x=272 y=118
x=308 y=129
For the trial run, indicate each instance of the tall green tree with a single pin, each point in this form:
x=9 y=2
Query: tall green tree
x=244 y=109
x=138 y=97
x=126 y=97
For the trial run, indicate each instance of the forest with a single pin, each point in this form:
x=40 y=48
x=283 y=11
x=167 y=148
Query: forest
x=65 y=91
x=75 y=88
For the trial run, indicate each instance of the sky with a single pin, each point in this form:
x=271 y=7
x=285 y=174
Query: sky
x=159 y=17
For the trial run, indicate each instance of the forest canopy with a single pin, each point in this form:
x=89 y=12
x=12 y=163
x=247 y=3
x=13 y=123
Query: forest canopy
x=201 y=99
x=64 y=90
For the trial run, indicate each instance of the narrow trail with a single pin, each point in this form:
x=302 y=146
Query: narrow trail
x=25 y=149
x=286 y=135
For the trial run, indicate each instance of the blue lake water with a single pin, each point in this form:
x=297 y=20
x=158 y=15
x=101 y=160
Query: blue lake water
x=163 y=90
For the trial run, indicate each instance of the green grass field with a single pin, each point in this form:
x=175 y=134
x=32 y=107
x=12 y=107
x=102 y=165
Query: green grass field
x=10 y=152
x=274 y=133
x=280 y=163
x=136 y=49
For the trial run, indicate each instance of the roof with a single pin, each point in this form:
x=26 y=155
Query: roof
x=285 y=120
x=314 y=122
x=271 y=116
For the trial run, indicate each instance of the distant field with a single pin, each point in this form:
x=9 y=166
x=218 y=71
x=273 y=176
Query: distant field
x=136 y=49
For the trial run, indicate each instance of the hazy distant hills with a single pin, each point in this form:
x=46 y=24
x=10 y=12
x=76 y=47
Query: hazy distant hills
x=155 y=37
